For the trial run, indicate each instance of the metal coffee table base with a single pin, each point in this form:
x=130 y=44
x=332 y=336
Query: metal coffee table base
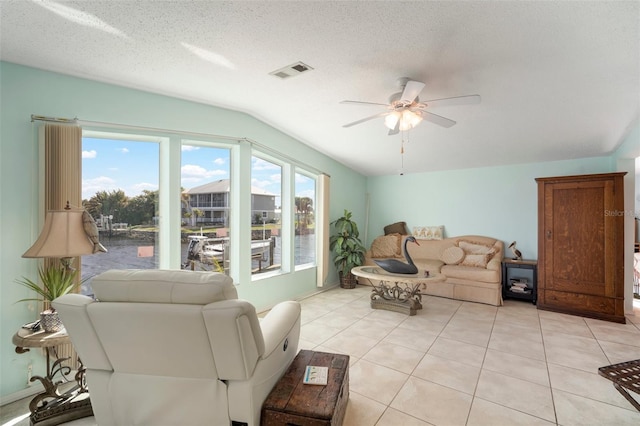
x=405 y=299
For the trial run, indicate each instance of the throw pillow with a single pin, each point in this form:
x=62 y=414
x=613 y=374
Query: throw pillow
x=477 y=260
x=428 y=232
x=396 y=228
x=474 y=248
x=386 y=246
x=452 y=255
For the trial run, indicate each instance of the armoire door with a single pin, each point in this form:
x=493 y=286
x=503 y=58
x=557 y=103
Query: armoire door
x=581 y=245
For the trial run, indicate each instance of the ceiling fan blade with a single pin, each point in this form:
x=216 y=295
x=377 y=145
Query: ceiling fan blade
x=437 y=119
x=382 y=114
x=362 y=103
x=411 y=90
x=457 y=100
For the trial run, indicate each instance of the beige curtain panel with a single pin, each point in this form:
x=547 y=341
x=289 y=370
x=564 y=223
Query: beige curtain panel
x=322 y=230
x=62 y=183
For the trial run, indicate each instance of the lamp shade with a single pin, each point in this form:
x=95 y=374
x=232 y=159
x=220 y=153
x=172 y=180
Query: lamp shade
x=62 y=236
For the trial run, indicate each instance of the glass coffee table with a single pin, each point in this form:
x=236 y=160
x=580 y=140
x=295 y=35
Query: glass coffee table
x=396 y=292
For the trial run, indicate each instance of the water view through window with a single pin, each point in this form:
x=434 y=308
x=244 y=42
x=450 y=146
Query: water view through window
x=305 y=202
x=121 y=177
x=122 y=196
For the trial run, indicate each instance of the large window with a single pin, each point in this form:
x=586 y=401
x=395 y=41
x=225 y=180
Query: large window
x=266 y=199
x=120 y=190
x=206 y=188
x=171 y=201
x=305 y=220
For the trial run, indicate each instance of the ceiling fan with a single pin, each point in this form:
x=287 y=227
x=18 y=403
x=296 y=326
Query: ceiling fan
x=405 y=110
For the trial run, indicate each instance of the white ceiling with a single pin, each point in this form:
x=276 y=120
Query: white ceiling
x=558 y=80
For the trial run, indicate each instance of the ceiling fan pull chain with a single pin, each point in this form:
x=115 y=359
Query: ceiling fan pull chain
x=402 y=156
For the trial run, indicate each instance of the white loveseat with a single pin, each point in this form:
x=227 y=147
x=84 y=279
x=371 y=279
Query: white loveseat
x=177 y=348
x=472 y=264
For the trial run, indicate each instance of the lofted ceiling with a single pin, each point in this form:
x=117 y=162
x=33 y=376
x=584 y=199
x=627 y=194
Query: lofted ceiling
x=558 y=79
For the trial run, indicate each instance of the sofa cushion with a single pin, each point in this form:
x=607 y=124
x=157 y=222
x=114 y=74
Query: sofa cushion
x=428 y=232
x=452 y=255
x=471 y=273
x=396 y=228
x=434 y=266
x=386 y=246
x=477 y=260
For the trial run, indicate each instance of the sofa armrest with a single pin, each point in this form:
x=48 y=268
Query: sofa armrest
x=495 y=264
x=278 y=323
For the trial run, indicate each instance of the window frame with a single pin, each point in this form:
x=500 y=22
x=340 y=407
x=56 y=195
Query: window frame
x=241 y=153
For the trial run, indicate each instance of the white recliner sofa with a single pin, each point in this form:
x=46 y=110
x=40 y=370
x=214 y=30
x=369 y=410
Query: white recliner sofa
x=168 y=347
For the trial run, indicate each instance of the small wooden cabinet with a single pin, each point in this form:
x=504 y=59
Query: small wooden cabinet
x=581 y=245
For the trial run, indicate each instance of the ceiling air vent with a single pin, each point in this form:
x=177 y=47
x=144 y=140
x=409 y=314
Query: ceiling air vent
x=291 y=70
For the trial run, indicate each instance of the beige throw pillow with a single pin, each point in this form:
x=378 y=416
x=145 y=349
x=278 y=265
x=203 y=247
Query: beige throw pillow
x=386 y=246
x=476 y=254
x=452 y=255
x=428 y=232
x=475 y=248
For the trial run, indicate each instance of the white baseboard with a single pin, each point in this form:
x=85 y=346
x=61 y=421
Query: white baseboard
x=16 y=396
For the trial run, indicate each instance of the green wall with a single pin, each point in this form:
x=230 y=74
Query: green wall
x=25 y=91
x=499 y=202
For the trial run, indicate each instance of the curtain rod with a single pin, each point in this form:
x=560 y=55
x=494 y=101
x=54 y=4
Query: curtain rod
x=79 y=122
x=54 y=119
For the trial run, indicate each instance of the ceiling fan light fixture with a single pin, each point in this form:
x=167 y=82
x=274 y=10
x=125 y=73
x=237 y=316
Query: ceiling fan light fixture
x=410 y=119
x=392 y=119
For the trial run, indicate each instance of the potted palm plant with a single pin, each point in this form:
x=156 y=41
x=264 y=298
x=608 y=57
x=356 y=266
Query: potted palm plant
x=349 y=251
x=56 y=281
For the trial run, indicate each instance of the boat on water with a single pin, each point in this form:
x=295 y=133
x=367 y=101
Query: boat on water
x=210 y=250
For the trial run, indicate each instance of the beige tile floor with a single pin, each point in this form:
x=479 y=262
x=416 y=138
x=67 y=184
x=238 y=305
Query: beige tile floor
x=461 y=363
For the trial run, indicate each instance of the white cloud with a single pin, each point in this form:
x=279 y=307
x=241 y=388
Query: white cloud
x=124 y=150
x=276 y=178
x=302 y=178
x=261 y=183
x=195 y=171
x=139 y=187
x=219 y=161
x=260 y=164
x=309 y=193
x=190 y=148
x=89 y=154
x=102 y=183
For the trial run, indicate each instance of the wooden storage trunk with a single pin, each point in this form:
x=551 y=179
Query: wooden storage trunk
x=293 y=403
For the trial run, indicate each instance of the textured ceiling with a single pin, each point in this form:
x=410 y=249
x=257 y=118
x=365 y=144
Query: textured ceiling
x=558 y=80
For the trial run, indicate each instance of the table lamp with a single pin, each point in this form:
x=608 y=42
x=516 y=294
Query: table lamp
x=66 y=234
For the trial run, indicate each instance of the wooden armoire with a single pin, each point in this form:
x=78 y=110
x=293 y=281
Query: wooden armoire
x=581 y=245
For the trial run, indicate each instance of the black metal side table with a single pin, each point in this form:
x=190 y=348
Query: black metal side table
x=517 y=284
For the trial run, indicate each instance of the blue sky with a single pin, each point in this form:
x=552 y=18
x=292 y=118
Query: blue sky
x=111 y=164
